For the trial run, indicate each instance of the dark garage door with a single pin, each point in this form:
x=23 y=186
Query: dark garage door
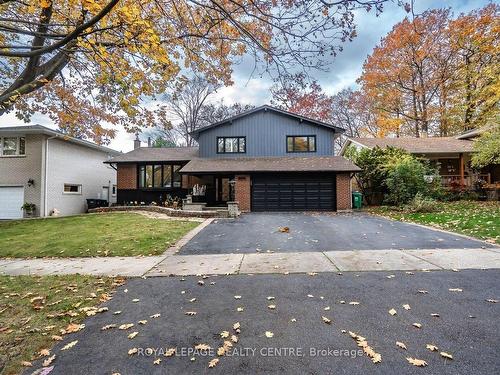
x=293 y=192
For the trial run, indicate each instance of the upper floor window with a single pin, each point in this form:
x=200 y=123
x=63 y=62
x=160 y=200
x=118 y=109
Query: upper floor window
x=301 y=143
x=159 y=176
x=231 y=145
x=12 y=146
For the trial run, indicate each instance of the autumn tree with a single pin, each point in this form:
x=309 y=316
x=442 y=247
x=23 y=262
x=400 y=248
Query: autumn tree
x=297 y=95
x=435 y=75
x=85 y=63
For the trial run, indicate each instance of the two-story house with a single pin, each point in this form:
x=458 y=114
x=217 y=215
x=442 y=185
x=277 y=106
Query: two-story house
x=51 y=170
x=266 y=159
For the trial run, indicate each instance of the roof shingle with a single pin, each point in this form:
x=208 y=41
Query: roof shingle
x=431 y=145
x=272 y=164
x=146 y=154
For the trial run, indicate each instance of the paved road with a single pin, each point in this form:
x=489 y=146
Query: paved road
x=317 y=232
x=467 y=328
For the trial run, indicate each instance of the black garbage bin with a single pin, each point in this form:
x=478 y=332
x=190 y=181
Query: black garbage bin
x=96 y=203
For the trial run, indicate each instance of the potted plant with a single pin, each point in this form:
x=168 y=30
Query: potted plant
x=199 y=193
x=29 y=209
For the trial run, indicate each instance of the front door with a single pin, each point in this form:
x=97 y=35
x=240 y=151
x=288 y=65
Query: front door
x=223 y=190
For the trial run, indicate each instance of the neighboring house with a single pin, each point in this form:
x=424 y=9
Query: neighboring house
x=52 y=170
x=451 y=154
x=266 y=159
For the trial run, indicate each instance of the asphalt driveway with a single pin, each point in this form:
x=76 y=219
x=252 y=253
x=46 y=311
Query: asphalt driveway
x=259 y=232
x=467 y=326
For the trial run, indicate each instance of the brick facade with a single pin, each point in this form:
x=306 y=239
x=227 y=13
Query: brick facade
x=127 y=176
x=344 y=199
x=242 y=192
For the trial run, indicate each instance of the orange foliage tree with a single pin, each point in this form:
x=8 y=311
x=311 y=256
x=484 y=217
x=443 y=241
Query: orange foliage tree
x=88 y=62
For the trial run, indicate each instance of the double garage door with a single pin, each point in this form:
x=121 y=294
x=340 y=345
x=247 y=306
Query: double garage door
x=293 y=192
x=11 y=200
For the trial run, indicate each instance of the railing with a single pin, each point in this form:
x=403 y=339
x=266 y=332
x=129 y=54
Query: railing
x=452 y=179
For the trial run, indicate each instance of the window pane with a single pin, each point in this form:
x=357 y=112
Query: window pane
x=177 y=176
x=71 y=188
x=289 y=144
x=231 y=144
x=9 y=146
x=242 y=147
x=220 y=144
x=312 y=144
x=142 y=175
x=300 y=144
x=167 y=176
x=22 y=146
x=149 y=176
x=157 y=176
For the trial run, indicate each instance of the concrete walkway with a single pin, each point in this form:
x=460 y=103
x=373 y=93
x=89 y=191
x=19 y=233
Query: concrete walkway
x=262 y=263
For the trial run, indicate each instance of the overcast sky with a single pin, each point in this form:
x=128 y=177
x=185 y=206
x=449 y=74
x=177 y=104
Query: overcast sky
x=343 y=72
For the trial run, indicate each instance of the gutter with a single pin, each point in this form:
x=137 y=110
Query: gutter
x=46 y=170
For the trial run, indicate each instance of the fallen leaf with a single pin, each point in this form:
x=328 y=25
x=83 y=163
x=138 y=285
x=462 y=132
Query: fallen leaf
x=126 y=326
x=401 y=345
x=136 y=300
x=44 y=352
x=354 y=303
x=49 y=360
x=310 y=296
x=213 y=362
x=435 y=315
x=269 y=334
x=270 y=298
x=492 y=300
x=132 y=351
x=392 y=312
x=170 y=352
x=157 y=361
x=326 y=320
x=70 y=345
x=142 y=322
x=237 y=297
x=201 y=282
x=239 y=309
x=423 y=291
x=108 y=326
x=406 y=307
x=72 y=327
x=192 y=300
x=327 y=308
x=26 y=364
x=190 y=313
x=272 y=307
x=56 y=338
x=202 y=347
x=431 y=347
x=284 y=229
x=446 y=355
x=234 y=338
x=236 y=326
x=418 y=325
x=416 y=362
x=221 y=351
x=154 y=316
x=133 y=334
x=455 y=290
x=224 y=334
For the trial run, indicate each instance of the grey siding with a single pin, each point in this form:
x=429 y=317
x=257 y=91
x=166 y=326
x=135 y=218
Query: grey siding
x=74 y=164
x=265 y=133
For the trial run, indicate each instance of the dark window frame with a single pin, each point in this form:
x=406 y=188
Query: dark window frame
x=141 y=184
x=308 y=143
x=239 y=138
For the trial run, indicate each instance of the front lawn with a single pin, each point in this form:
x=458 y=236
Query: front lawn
x=476 y=219
x=36 y=312
x=111 y=234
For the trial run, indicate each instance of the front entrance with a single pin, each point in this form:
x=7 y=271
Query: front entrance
x=224 y=190
x=294 y=192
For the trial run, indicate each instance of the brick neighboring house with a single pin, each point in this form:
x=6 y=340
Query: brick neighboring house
x=266 y=159
x=51 y=170
x=451 y=154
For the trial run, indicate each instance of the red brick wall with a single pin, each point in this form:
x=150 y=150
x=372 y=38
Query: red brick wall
x=127 y=176
x=242 y=192
x=344 y=199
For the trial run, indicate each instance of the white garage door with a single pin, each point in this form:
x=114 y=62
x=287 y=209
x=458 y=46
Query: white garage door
x=11 y=200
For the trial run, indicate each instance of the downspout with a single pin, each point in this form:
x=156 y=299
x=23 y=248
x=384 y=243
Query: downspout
x=45 y=195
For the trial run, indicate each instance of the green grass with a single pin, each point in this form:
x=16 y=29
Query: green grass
x=475 y=219
x=25 y=330
x=111 y=234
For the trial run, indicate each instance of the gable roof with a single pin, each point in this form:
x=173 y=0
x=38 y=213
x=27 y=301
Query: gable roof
x=159 y=154
x=39 y=129
x=271 y=164
x=431 y=145
x=266 y=107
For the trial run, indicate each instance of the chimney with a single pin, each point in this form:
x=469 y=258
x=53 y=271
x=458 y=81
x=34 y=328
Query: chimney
x=149 y=141
x=137 y=141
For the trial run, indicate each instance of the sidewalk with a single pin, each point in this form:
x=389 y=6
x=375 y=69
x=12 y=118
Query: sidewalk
x=262 y=263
